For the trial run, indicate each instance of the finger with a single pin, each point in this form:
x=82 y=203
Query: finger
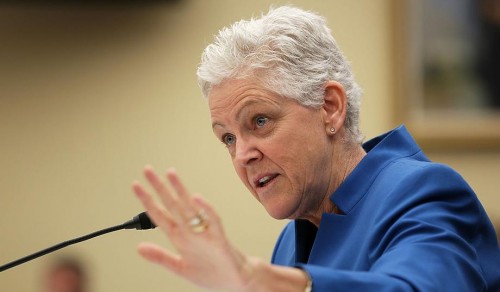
x=178 y=186
x=160 y=256
x=164 y=193
x=209 y=213
x=186 y=208
x=160 y=216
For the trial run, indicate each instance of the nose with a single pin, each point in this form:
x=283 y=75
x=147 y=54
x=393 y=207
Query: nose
x=246 y=152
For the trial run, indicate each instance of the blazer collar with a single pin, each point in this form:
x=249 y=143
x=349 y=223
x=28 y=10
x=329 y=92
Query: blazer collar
x=381 y=151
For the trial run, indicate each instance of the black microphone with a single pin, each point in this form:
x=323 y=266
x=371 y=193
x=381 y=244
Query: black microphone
x=139 y=222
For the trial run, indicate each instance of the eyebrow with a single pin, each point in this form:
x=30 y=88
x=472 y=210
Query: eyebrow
x=238 y=113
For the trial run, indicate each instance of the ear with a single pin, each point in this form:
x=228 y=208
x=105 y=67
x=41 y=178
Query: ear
x=335 y=106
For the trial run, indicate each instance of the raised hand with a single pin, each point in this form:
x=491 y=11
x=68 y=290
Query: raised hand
x=204 y=255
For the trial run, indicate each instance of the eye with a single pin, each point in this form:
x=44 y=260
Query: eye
x=260 y=121
x=228 y=139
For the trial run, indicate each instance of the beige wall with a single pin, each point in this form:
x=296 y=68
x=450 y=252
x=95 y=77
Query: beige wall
x=89 y=96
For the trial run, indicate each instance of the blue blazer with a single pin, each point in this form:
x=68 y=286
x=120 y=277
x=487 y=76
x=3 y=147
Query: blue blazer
x=406 y=224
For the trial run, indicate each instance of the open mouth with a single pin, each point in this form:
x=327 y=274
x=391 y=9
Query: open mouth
x=263 y=181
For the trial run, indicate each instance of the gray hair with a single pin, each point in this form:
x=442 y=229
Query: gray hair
x=289 y=51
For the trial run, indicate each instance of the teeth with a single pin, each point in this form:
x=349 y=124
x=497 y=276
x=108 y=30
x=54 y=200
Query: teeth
x=264 y=180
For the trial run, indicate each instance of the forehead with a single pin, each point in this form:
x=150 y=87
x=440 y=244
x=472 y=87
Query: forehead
x=232 y=90
x=233 y=94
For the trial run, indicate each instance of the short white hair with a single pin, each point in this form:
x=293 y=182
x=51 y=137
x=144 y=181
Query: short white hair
x=289 y=51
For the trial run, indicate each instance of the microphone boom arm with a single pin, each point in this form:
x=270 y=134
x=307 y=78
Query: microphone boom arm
x=139 y=222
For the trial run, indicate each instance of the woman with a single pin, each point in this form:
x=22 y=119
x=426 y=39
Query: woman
x=373 y=217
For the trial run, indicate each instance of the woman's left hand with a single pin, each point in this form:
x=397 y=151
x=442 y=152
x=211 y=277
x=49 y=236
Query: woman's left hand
x=204 y=255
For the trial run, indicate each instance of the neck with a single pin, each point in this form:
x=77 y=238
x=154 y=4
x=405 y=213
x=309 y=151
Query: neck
x=346 y=160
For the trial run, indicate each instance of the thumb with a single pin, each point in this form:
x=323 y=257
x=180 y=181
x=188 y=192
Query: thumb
x=158 y=255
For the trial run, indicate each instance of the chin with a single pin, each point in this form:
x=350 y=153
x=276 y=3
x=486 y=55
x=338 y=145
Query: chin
x=278 y=212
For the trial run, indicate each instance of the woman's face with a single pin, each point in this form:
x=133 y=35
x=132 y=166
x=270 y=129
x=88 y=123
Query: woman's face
x=280 y=149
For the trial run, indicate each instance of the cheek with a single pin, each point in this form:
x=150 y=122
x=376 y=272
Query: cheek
x=240 y=171
x=244 y=178
x=305 y=160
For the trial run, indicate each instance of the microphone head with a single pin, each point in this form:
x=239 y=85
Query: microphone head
x=139 y=222
x=144 y=221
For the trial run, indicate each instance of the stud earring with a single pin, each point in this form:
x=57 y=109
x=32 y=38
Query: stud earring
x=332 y=130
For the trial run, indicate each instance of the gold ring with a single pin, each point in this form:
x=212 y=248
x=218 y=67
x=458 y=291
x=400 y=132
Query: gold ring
x=198 y=223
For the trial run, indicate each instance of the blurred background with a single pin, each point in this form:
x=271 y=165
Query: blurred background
x=90 y=92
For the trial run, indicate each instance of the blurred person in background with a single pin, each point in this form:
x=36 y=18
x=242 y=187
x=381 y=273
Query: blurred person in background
x=65 y=275
x=373 y=216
